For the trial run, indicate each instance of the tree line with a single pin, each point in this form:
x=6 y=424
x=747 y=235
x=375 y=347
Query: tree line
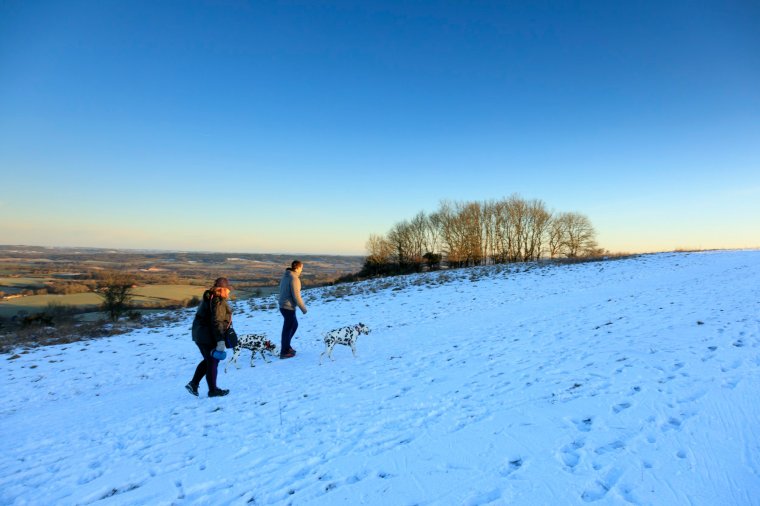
x=462 y=234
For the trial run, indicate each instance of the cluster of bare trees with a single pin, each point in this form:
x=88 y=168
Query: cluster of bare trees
x=480 y=233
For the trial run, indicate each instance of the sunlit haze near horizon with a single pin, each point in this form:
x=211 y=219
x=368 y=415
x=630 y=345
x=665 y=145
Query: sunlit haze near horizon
x=301 y=127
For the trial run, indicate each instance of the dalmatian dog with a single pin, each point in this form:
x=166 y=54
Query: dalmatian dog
x=346 y=336
x=254 y=342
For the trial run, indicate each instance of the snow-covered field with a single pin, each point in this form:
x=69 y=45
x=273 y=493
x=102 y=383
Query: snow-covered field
x=632 y=381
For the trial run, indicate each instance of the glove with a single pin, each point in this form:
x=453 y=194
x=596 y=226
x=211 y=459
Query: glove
x=219 y=352
x=305 y=311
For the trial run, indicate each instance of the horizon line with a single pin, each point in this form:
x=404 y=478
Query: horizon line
x=679 y=249
x=161 y=250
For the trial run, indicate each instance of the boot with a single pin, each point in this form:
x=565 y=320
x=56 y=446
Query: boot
x=193 y=389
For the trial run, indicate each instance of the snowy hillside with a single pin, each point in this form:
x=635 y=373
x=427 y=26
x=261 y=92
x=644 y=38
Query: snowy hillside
x=623 y=382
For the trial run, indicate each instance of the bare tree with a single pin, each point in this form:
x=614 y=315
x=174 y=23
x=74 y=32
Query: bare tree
x=580 y=236
x=488 y=224
x=418 y=238
x=433 y=234
x=538 y=222
x=116 y=295
x=517 y=210
x=404 y=244
x=556 y=235
x=451 y=234
x=379 y=249
x=461 y=232
x=379 y=255
x=502 y=234
x=469 y=219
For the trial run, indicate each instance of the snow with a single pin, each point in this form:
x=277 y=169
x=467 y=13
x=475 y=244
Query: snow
x=621 y=382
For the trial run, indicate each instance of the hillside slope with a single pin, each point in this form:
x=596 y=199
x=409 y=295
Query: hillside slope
x=621 y=382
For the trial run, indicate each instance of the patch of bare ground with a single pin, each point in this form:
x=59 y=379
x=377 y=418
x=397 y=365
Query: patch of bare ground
x=17 y=337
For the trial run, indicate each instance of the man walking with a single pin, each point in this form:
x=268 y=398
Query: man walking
x=290 y=297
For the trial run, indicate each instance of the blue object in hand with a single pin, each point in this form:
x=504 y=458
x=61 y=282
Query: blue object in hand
x=219 y=355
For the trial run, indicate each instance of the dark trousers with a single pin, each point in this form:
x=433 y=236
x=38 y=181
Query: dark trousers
x=289 y=327
x=207 y=368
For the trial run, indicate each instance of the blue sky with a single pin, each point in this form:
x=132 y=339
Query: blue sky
x=303 y=127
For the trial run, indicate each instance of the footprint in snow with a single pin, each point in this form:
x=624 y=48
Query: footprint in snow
x=730 y=383
x=611 y=447
x=511 y=466
x=734 y=365
x=692 y=396
x=569 y=454
x=598 y=490
x=116 y=491
x=491 y=496
x=673 y=423
x=583 y=425
x=89 y=476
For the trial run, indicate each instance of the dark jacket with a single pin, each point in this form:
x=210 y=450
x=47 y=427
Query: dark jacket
x=290 y=292
x=212 y=319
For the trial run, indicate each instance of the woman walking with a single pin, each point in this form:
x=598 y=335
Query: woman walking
x=212 y=319
x=290 y=297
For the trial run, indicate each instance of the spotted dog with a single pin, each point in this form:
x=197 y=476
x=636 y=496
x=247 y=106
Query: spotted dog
x=344 y=335
x=254 y=342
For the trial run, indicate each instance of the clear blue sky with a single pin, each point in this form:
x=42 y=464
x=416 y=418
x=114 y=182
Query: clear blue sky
x=302 y=127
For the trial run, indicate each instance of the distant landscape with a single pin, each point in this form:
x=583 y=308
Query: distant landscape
x=33 y=279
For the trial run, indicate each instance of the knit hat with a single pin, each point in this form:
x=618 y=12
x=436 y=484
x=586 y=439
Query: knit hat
x=222 y=283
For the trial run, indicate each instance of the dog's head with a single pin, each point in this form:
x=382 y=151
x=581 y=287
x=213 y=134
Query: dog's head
x=269 y=345
x=362 y=329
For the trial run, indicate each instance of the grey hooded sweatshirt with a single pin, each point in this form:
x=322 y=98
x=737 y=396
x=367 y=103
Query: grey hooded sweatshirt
x=290 y=292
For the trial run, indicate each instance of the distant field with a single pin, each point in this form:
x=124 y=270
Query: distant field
x=25 y=282
x=37 y=303
x=263 y=291
x=164 y=278
x=143 y=295
x=163 y=293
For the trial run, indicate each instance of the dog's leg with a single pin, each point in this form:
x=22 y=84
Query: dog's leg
x=253 y=355
x=353 y=349
x=233 y=358
x=329 y=352
x=263 y=355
